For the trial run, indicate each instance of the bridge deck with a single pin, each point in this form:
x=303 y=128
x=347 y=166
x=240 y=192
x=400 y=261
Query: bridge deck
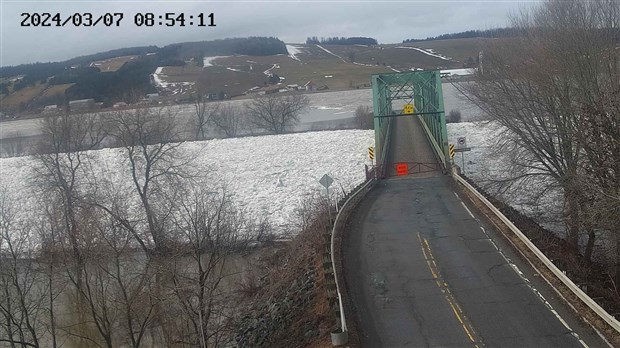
x=409 y=144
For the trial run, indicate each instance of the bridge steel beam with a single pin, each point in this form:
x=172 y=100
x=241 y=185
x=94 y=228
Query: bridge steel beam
x=423 y=89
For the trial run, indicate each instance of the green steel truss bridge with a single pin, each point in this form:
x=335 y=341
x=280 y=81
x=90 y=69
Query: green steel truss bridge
x=419 y=268
x=423 y=90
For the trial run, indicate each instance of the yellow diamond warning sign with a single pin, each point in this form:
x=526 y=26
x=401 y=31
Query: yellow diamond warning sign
x=408 y=109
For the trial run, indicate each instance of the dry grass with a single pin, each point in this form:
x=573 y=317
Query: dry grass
x=24 y=95
x=315 y=65
x=112 y=64
x=56 y=89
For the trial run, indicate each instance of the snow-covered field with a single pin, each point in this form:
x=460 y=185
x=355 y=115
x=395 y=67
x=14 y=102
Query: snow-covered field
x=266 y=176
x=208 y=61
x=157 y=77
x=293 y=51
x=174 y=87
x=428 y=52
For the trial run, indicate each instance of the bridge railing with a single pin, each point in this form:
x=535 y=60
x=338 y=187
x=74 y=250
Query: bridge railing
x=347 y=205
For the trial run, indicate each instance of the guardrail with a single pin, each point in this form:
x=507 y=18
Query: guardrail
x=587 y=300
x=341 y=337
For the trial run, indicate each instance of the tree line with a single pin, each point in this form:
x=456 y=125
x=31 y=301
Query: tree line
x=272 y=113
x=368 y=41
x=489 y=33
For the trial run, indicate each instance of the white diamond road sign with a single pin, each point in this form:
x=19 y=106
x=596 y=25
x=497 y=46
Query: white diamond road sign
x=326 y=181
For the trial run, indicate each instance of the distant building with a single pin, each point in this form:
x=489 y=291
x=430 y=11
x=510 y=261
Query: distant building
x=152 y=97
x=50 y=109
x=310 y=86
x=81 y=105
x=253 y=89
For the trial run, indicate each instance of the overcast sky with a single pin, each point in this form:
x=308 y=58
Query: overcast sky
x=291 y=21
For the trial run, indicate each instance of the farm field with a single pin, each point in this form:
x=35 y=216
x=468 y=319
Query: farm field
x=24 y=95
x=112 y=64
x=324 y=65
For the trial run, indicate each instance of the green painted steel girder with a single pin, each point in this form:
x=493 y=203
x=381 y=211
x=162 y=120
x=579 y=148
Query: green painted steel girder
x=423 y=89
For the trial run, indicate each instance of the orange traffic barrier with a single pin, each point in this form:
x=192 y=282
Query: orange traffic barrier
x=402 y=169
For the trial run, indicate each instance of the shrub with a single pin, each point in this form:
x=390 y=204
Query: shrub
x=454 y=116
x=364 y=118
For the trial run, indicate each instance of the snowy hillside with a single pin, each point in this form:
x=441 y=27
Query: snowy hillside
x=267 y=175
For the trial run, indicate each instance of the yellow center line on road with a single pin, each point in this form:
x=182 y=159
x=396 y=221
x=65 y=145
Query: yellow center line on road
x=445 y=290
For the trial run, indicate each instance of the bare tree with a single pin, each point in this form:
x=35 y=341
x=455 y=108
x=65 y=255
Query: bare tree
x=533 y=86
x=600 y=139
x=22 y=303
x=454 y=116
x=158 y=170
x=150 y=140
x=275 y=113
x=58 y=174
x=14 y=145
x=364 y=117
x=204 y=112
x=213 y=233
x=229 y=119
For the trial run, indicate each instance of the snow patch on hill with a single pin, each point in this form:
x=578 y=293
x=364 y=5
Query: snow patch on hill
x=330 y=52
x=429 y=52
x=157 y=77
x=458 y=72
x=293 y=51
x=208 y=61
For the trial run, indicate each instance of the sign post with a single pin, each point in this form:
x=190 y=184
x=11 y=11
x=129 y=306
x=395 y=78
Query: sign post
x=327 y=181
x=461 y=146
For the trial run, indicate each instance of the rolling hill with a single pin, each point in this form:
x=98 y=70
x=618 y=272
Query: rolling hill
x=223 y=69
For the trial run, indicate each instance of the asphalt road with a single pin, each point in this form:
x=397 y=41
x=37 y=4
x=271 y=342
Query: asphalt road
x=422 y=271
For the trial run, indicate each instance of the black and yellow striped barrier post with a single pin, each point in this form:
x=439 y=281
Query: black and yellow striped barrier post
x=451 y=150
